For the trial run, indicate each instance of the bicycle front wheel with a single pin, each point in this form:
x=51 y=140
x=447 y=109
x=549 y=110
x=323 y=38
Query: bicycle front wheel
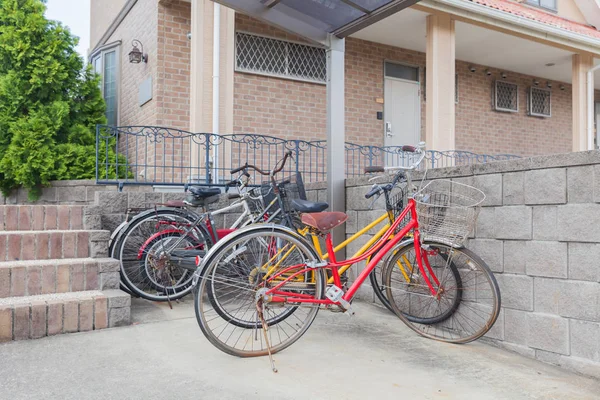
x=408 y=279
x=231 y=304
x=460 y=303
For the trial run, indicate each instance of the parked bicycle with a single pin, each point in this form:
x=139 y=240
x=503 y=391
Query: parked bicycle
x=269 y=278
x=158 y=247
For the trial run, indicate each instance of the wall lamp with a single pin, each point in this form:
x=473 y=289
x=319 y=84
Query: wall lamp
x=136 y=55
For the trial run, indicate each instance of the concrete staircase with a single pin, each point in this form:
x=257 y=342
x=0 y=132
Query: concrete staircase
x=55 y=275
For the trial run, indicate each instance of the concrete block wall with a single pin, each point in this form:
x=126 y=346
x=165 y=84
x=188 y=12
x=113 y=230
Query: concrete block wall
x=110 y=208
x=74 y=192
x=539 y=231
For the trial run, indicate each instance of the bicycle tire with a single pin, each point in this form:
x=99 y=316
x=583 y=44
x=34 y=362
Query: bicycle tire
x=132 y=254
x=480 y=302
x=116 y=242
x=216 y=323
x=403 y=257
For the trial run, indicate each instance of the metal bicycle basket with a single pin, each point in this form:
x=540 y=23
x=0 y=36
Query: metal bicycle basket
x=255 y=201
x=447 y=211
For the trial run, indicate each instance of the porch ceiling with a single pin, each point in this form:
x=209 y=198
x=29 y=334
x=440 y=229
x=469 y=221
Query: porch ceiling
x=477 y=45
x=315 y=19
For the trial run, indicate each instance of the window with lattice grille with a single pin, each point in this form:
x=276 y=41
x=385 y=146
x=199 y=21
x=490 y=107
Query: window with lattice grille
x=539 y=102
x=506 y=96
x=267 y=56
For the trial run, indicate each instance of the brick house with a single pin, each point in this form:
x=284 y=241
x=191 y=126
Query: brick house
x=487 y=76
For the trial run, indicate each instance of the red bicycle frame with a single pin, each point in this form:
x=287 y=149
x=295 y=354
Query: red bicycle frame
x=381 y=247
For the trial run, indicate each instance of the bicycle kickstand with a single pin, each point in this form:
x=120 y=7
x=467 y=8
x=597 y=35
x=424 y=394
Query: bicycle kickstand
x=260 y=308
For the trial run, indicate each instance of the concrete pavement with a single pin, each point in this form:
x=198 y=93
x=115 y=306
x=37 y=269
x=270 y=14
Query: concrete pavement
x=372 y=355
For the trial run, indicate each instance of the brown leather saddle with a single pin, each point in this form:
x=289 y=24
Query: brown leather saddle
x=313 y=214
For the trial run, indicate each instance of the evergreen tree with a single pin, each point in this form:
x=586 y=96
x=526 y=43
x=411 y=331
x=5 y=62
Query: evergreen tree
x=50 y=102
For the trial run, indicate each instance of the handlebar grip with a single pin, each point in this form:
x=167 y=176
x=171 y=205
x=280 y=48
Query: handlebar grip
x=409 y=149
x=372 y=192
x=288 y=154
x=231 y=183
x=233 y=171
x=373 y=169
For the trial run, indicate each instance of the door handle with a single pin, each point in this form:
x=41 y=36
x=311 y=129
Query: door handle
x=388 y=129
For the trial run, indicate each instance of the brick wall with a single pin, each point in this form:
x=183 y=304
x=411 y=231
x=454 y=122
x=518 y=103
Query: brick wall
x=173 y=64
x=139 y=24
x=482 y=130
x=273 y=106
x=173 y=86
x=539 y=233
x=267 y=105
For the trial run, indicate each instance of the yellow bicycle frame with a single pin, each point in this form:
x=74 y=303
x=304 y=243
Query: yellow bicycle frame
x=317 y=245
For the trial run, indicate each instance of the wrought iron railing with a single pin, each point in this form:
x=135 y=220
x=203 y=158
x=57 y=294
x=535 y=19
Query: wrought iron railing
x=149 y=155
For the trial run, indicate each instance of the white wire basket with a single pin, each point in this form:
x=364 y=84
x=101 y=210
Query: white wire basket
x=447 y=211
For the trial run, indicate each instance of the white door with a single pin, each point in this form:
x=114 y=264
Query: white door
x=401 y=111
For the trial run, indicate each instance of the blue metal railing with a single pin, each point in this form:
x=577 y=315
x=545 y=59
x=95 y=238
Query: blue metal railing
x=150 y=155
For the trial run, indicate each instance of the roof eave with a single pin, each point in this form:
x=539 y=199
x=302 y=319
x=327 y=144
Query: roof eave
x=505 y=21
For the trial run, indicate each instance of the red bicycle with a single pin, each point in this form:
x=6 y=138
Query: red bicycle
x=269 y=278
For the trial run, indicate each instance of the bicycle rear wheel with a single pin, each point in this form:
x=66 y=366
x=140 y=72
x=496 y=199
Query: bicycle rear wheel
x=234 y=279
x=466 y=302
x=146 y=249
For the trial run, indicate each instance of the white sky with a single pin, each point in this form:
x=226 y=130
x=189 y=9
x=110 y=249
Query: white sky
x=76 y=15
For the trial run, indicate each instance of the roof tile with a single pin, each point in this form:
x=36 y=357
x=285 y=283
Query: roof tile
x=521 y=10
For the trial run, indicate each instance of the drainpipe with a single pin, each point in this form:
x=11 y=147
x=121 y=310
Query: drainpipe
x=215 y=88
x=590 y=105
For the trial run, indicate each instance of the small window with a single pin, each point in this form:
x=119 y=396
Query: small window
x=506 y=97
x=539 y=102
x=105 y=63
x=267 y=56
x=402 y=71
x=547 y=4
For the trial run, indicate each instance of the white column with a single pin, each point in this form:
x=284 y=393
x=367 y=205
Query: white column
x=336 y=174
x=439 y=111
x=582 y=63
x=197 y=83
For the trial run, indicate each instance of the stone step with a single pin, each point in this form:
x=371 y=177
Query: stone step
x=34 y=317
x=31 y=278
x=53 y=244
x=40 y=217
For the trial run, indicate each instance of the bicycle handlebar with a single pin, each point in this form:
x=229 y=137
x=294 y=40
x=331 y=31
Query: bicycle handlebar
x=419 y=149
x=374 y=190
x=275 y=170
x=236 y=170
